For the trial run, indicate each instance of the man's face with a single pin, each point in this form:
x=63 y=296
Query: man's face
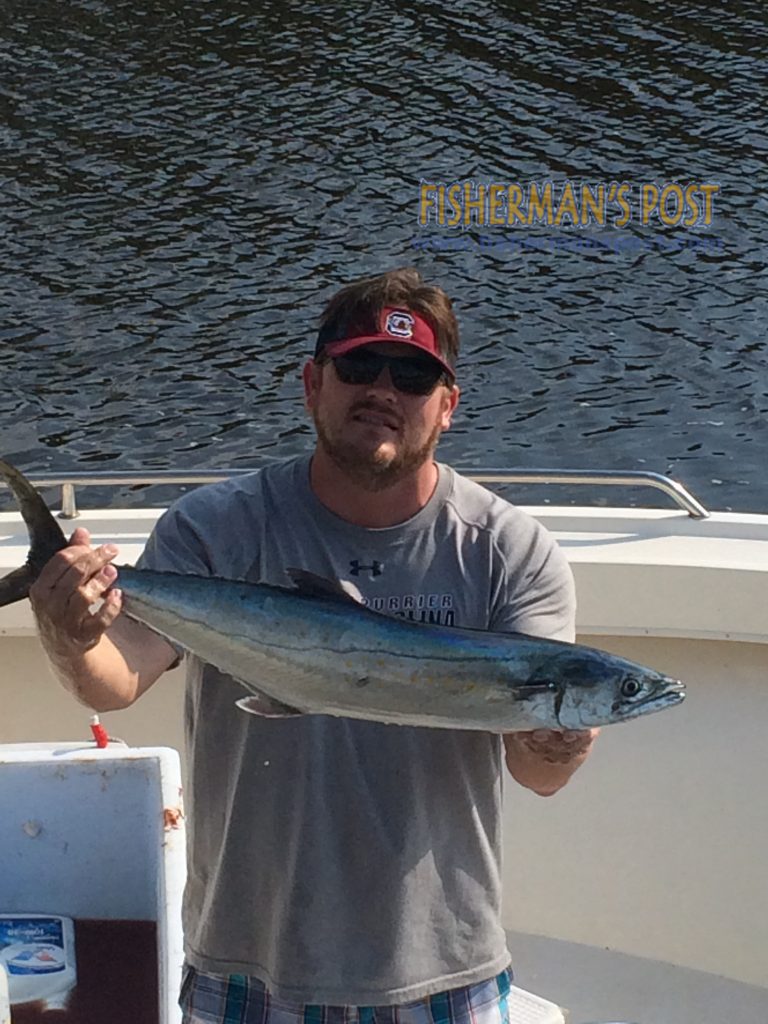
x=375 y=433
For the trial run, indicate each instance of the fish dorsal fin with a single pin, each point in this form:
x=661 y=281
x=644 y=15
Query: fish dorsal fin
x=311 y=585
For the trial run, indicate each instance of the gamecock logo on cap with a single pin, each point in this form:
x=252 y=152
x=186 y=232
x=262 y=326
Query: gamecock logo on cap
x=400 y=324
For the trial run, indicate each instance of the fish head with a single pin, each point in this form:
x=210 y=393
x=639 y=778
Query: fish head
x=594 y=688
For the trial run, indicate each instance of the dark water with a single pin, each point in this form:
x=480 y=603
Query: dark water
x=185 y=182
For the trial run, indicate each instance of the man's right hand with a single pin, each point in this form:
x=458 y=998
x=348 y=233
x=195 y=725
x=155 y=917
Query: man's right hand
x=107 y=660
x=71 y=582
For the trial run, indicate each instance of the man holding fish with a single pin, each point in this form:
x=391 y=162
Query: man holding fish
x=337 y=863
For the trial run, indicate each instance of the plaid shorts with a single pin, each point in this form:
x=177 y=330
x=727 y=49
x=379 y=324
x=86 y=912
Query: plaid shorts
x=238 y=999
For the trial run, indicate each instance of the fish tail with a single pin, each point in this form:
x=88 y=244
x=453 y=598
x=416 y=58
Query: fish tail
x=45 y=536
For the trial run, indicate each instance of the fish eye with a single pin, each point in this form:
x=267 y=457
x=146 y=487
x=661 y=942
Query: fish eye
x=631 y=687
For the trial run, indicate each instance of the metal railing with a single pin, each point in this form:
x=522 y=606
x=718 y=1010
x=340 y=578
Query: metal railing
x=679 y=494
x=612 y=478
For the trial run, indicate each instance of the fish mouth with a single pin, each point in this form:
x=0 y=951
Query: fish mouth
x=674 y=690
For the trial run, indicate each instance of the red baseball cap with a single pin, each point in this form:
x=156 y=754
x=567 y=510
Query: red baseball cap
x=393 y=324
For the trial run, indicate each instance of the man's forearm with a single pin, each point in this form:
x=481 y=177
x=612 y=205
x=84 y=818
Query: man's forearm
x=114 y=672
x=544 y=760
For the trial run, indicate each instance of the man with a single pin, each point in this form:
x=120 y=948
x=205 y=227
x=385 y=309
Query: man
x=337 y=863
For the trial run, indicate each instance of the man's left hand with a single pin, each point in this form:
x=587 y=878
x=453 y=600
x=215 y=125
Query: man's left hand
x=545 y=759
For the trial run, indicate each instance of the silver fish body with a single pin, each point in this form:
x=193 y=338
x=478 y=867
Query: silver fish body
x=327 y=655
x=313 y=649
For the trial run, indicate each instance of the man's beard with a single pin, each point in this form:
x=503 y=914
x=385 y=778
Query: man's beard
x=370 y=470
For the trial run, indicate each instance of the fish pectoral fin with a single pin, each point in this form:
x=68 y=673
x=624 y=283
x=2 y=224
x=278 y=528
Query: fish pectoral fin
x=267 y=707
x=312 y=585
x=530 y=691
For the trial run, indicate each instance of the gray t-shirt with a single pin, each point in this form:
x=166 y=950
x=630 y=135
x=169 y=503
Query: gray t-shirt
x=341 y=861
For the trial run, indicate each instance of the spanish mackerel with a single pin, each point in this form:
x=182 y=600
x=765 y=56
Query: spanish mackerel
x=315 y=649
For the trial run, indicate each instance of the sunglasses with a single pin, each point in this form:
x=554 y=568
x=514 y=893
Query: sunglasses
x=411 y=376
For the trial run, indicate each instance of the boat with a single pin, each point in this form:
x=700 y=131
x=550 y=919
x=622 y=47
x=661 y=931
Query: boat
x=638 y=892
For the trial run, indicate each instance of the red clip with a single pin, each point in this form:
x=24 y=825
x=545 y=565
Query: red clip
x=99 y=733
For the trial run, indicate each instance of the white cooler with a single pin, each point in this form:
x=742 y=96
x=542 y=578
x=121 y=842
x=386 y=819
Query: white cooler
x=92 y=868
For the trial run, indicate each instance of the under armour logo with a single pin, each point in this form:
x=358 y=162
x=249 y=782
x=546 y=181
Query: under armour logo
x=375 y=568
